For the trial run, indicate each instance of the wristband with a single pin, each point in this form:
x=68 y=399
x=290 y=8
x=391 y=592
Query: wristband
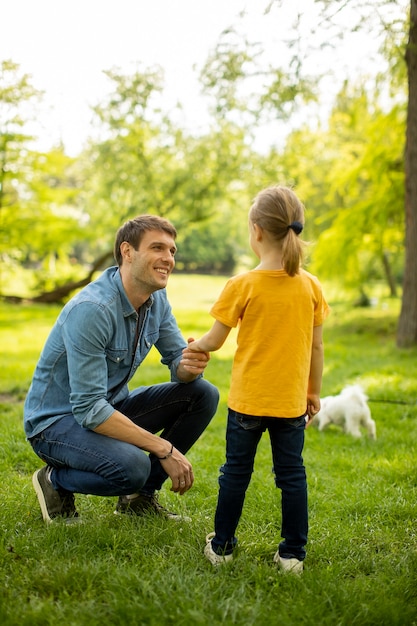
x=162 y=458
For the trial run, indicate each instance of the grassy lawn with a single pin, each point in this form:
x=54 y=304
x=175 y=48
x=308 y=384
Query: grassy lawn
x=361 y=566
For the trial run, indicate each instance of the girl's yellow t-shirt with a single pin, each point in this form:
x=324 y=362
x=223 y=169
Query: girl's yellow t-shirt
x=276 y=314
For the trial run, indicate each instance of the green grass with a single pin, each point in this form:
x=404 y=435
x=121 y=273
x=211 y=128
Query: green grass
x=361 y=567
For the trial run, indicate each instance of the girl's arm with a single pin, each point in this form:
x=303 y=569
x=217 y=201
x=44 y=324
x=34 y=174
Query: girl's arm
x=213 y=340
x=316 y=372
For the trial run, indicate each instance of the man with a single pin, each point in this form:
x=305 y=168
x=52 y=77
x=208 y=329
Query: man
x=79 y=416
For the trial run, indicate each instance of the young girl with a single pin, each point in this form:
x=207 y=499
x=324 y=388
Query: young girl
x=276 y=374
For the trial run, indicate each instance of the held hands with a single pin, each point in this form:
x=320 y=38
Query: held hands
x=193 y=345
x=194 y=360
x=179 y=470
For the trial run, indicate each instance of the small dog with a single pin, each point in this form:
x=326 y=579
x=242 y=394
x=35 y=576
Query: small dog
x=349 y=409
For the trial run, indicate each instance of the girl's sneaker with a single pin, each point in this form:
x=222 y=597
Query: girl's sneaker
x=289 y=566
x=210 y=554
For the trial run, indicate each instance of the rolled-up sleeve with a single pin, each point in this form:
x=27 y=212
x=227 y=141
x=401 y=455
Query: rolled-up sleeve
x=85 y=332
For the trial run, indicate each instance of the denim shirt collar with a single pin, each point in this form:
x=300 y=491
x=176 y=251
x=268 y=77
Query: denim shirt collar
x=127 y=306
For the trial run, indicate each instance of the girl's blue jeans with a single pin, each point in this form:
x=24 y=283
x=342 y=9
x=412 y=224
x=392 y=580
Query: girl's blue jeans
x=87 y=462
x=287 y=440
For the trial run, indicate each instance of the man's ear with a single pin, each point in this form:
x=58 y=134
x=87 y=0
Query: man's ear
x=126 y=251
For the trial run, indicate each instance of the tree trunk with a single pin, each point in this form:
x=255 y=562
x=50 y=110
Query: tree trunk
x=57 y=295
x=407 y=326
x=388 y=274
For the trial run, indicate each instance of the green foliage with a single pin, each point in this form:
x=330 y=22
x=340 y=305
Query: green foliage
x=40 y=219
x=148 y=165
x=361 y=565
x=130 y=99
x=207 y=248
x=351 y=178
x=16 y=96
x=16 y=91
x=244 y=86
x=59 y=214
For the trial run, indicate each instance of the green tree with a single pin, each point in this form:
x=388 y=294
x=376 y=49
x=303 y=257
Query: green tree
x=352 y=179
x=247 y=89
x=328 y=22
x=72 y=207
x=148 y=164
x=390 y=23
x=40 y=221
x=17 y=95
x=47 y=241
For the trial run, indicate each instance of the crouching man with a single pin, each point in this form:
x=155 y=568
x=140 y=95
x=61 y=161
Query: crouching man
x=94 y=435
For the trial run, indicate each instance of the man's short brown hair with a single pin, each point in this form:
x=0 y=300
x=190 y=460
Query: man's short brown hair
x=133 y=230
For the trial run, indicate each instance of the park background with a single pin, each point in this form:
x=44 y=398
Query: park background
x=315 y=95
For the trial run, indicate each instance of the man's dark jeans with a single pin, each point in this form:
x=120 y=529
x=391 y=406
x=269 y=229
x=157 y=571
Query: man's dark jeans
x=90 y=463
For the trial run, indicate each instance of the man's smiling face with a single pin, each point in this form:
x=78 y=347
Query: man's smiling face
x=154 y=260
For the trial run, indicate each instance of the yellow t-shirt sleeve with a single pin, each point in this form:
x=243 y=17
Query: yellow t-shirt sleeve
x=227 y=309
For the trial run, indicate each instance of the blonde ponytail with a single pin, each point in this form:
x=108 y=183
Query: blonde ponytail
x=279 y=211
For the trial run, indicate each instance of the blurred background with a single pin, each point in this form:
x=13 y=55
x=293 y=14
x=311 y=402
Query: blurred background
x=186 y=110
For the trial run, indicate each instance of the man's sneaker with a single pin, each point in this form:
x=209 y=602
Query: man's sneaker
x=55 y=503
x=289 y=566
x=144 y=505
x=210 y=554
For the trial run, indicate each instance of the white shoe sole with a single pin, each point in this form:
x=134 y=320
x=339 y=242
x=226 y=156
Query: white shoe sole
x=289 y=566
x=215 y=559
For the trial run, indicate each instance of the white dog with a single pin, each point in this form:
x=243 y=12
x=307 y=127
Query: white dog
x=349 y=409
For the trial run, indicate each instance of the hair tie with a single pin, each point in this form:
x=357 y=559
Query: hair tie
x=297 y=227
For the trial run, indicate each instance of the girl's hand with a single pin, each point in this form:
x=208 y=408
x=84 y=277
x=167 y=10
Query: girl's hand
x=313 y=407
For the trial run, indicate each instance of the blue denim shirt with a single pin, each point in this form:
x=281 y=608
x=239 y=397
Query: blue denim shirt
x=89 y=356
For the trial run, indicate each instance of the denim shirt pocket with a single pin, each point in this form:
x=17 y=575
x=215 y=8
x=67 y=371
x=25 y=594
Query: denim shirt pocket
x=117 y=360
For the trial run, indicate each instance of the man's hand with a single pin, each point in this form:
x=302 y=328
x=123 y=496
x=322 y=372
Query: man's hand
x=192 y=364
x=179 y=470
